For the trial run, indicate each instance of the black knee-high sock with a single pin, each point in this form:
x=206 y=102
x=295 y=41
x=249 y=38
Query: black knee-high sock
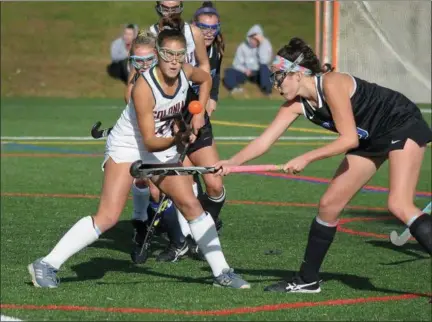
x=319 y=241
x=213 y=206
x=199 y=186
x=421 y=229
x=172 y=226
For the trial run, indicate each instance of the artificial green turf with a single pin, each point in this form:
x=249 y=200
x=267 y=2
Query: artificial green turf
x=102 y=275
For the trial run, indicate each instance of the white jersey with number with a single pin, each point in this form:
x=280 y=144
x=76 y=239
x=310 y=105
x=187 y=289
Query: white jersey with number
x=125 y=144
x=190 y=43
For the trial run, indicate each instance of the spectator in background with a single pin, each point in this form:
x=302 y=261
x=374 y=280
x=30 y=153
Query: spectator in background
x=251 y=62
x=119 y=67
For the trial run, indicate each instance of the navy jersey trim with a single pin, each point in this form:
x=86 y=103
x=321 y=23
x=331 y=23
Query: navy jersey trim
x=165 y=95
x=154 y=97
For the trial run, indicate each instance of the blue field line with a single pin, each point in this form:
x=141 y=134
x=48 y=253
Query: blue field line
x=10 y=146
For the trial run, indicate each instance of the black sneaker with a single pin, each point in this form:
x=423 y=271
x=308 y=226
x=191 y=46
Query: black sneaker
x=297 y=285
x=194 y=250
x=173 y=252
x=218 y=224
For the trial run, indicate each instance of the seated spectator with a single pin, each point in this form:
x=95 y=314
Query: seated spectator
x=119 y=67
x=251 y=62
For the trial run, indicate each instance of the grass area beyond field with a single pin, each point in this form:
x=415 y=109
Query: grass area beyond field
x=61 y=49
x=47 y=185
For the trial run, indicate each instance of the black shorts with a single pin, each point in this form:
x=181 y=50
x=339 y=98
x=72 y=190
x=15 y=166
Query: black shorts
x=415 y=129
x=205 y=137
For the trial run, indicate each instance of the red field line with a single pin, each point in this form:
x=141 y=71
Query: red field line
x=234 y=202
x=326 y=180
x=344 y=221
x=240 y=310
x=341 y=227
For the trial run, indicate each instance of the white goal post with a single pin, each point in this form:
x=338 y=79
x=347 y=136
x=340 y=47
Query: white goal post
x=385 y=42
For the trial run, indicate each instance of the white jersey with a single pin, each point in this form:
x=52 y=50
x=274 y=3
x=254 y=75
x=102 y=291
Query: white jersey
x=125 y=142
x=190 y=43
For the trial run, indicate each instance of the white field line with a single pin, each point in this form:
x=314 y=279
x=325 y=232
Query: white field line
x=218 y=138
x=8 y=318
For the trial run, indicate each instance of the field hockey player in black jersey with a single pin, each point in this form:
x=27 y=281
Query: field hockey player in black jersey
x=374 y=124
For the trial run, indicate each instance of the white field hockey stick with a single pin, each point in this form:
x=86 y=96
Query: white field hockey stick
x=401 y=239
x=140 y=170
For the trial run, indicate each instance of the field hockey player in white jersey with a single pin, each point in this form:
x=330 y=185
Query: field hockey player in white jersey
x=142 y=57
x=202 y=152
x=141 y=134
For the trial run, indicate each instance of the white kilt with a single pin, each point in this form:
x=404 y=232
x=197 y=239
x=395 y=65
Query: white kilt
x=123 y=148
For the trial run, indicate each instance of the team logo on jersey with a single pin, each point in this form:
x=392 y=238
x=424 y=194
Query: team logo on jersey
x=327 y=125
x=362 y=134
x=190 y=57
x=175 y=109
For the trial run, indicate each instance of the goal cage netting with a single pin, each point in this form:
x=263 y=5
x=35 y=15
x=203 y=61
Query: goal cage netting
x=385 y=42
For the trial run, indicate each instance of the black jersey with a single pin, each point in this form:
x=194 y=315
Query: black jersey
x=215 y=60
x=377 y=110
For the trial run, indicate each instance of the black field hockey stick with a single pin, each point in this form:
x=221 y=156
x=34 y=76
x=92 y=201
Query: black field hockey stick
x=96 y=133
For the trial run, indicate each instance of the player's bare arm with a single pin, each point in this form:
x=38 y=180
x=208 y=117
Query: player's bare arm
x=286 y=115
x=128 y=89
x=202 y=78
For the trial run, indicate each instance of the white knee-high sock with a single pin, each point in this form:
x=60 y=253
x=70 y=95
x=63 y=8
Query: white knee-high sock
x=184 y=225
x=82 y=234
x=141 y=200
x=204 y=232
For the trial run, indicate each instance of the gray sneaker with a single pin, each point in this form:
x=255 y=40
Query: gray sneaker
x=229 y=279
x=43 y=274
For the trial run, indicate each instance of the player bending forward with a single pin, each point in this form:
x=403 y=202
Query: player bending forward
x=141 y=134
x=374 y=124
x=202 y=152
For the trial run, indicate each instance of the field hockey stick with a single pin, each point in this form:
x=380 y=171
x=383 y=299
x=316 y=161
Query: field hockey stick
x=141 y=170
x=96 y=133
x=403 y=238
x=164 y=201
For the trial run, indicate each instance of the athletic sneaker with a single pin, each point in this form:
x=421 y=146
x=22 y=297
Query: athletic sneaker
x=297 y=285
x=173 y=252
x=194 y=250
x=218 y=224
x=43 y=274
x=229 y=279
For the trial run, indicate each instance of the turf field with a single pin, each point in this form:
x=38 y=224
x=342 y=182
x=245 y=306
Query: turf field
x=47 y=185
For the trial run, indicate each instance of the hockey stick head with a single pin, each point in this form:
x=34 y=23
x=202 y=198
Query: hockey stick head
x=399 y=240
x=95 y=132
x=140 y=170
x=134 y=169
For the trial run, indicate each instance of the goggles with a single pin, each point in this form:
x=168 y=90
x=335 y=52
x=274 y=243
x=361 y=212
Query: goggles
x=170 y=55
